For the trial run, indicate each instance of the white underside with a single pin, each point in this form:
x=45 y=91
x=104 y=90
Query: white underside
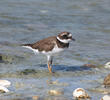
x=55 y=50
x=49 y=53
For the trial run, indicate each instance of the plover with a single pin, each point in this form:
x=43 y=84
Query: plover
x=50 y=46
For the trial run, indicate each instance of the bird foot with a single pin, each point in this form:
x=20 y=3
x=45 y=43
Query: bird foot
x=50 y=68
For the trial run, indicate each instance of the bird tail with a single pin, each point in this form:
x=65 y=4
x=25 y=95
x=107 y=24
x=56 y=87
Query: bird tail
x=29 y=46
x=26 y=45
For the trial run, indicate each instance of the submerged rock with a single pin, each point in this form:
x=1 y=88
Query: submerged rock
x=106 y=97
x=80 y=93
x=107 y=81
x=3 y=85
x=35 y=98
x=10 y=58
x=89 y=65
x=28 y=71
x=56 y=92
x=56 y=83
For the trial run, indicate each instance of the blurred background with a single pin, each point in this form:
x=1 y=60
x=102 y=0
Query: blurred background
x=27 y=21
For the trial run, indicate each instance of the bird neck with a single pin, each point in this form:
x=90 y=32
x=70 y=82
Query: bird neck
x=61 y=44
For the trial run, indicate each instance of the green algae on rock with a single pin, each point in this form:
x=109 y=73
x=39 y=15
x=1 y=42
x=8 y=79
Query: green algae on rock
x=6 y=58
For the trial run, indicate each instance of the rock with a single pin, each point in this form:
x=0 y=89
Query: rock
x=10 y=58
x=35 y=97
x=107 y=81
x=56 y=92
x=107 y=65
x=5 y=58
x=27 y=71
x=5 y=83
x=53 y=82
x=89 y=65
x=56 y=83
x=80 y=93
x=106 y=97
x=3 y=89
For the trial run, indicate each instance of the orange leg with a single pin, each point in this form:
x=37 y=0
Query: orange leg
x=49 y=62
x=49 y=67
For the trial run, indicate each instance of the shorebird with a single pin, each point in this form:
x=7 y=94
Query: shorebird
x=50 y=46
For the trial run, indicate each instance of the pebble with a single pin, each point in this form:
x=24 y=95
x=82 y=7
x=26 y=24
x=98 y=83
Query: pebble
x=107 y=65
x=53 y=82
x=106 y=97
x=56 y=92
x=5 y=83
x=35 y=98
x=89 y=65
x=56 y=83
x=3 y=89
x=80 y=93
x=107 y=81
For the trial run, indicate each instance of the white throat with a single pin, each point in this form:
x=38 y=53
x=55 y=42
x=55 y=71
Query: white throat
x=64 y=40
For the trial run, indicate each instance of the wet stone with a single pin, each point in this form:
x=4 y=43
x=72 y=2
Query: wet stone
x=56 y=92
x=28 y=71
x=89 y=65
x=107 y=81
x=10 y=58
x=57 y=83
x=80 y=93
x=3 y=89
x=35 y=98
x=5 y=83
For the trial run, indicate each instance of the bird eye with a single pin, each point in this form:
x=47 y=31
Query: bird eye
x=64 y=35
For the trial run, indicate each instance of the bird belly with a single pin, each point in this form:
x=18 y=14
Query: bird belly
x=54 y=51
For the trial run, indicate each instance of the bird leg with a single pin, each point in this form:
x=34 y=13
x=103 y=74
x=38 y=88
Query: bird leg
x=49 y=67
x=50 y=64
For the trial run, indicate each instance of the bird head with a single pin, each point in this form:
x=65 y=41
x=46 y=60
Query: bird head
x=65 y=37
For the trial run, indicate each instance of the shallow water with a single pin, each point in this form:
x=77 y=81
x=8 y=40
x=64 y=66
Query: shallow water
x=27 y=21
